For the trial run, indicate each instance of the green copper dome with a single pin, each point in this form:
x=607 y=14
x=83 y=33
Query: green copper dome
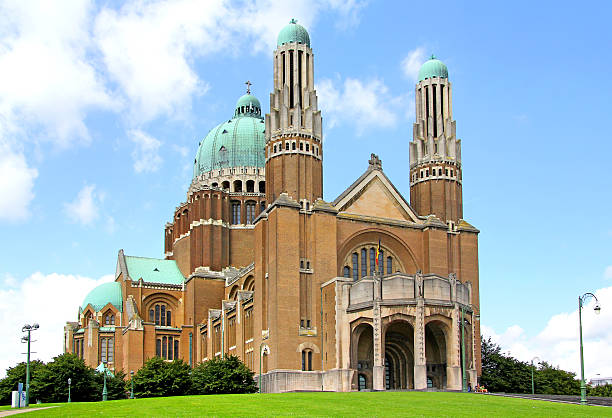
x=293 y=32
x=103 y=294
x=433 y=68
x=239 y=142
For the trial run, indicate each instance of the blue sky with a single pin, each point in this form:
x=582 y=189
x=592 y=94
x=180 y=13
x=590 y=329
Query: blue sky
x=102 y=106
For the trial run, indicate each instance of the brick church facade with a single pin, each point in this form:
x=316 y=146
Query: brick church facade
x=366 y=292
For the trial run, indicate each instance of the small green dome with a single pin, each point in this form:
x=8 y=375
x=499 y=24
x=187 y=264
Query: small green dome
x=433 y=68
x=103 y=294
x=239 y=142
x=293 y=32
x=247 y=104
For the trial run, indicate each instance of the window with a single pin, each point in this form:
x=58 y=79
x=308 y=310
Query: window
x=381 y=262
x=362 y=382
x=109 y=319
x=250 y=212
x=166 y=347
x=235 y=213
x=275 y=149
x=293 y=145
x=355 y=266
x=248 y=324
x=263 y=206
x=78 y=347
x=389 y=265
x=161 y=315
x=317 y=150
x=346 y=272
x=364 y=262
x=287 y=145
x=372 y=260
x=107 y=347
x=306 y=360
x=204 y=346
x=301 y=146
x=307 y=147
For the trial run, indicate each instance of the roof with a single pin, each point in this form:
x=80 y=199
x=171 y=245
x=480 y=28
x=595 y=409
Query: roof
x=293 y=32
x=239 y=142
x=104 y=294
x=153 y=270
x=433 y=68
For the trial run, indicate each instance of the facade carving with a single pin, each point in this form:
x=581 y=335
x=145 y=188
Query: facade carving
x=366 y=292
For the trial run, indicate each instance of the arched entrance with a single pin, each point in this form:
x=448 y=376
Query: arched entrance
x=436 y=351
x=362 y=355
x=399 y=355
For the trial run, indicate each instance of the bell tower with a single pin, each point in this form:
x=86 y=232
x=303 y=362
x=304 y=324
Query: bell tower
x=435 y=151
x=294 y=152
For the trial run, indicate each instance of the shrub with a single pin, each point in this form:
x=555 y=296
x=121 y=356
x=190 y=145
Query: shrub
x=223 y=375
x=162 y=378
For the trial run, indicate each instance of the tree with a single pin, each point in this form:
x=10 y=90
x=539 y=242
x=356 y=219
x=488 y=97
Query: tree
x=223 y=375
x=603 y=390
x=162 y=378
x=503 y=373
x=115 y=385
x=14 y=375
x=554 y=381
x=50 y=383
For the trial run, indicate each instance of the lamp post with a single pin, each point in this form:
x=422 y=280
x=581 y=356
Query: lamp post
x=28 y=339
x=532 y=369
x=581 y=300
x=132 y=381
x=69 y=382
x=463 y=376
x=104 y=391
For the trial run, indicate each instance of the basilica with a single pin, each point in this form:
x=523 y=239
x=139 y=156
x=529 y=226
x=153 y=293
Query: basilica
x=366 y=292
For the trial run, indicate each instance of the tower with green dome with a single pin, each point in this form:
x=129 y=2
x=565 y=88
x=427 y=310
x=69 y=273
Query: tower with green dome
x=294 y=151
x=435 y=151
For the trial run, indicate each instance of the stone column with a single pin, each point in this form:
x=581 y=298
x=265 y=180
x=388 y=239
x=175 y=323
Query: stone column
x=453 y=369
x=378 y=370
x=420 y=362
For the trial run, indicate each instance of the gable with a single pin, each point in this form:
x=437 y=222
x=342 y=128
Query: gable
x=374 y=195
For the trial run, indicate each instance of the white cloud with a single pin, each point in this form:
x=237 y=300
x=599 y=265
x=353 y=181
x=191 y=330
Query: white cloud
x=48 y=80
x=411 y=64
x=558 y=344
x=608 y=273
x=30 y=301
x=85 y=207
x=16 y=184
x=146 y=152
x=148 y=48
x=364 y=104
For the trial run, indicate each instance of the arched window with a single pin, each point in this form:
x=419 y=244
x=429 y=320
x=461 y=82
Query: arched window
x=381 y=262
x=364 y=262
x=389 y=265
x=372 y=260
x=306 y=360
x=161 y=315
x=109 y=318
x=262 y=187
x=355 y=260
x=347 y=272
x=225 y=185
x=107 y=349
x=293 y=146
x=250 y=186
x=250 y=212
x=235 y=213
x=238 y=186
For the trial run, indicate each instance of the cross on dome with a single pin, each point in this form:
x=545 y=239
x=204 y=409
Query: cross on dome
x=248 y=84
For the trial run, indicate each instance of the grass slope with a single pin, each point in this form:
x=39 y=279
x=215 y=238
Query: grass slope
x=329 y=404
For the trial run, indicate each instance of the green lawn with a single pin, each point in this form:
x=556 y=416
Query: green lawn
x=329 y=404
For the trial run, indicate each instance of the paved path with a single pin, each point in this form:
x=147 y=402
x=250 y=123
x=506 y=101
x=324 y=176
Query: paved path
x=8 y=412
x=591 y=400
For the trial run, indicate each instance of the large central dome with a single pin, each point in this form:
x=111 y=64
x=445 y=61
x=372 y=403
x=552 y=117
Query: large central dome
x=239 y=142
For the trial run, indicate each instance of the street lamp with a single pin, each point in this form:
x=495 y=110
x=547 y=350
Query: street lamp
x=532 y=369
x=27 y=339
x=581 y=300
x=132 y=380
x=104 y=391
x=69 y=382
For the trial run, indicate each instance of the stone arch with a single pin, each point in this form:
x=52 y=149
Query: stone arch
x=389 y=240
x=308 y=346
x=399 y=353
x=438 y=350
x=233 y=293
x=249 y=283
x=362 y=351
